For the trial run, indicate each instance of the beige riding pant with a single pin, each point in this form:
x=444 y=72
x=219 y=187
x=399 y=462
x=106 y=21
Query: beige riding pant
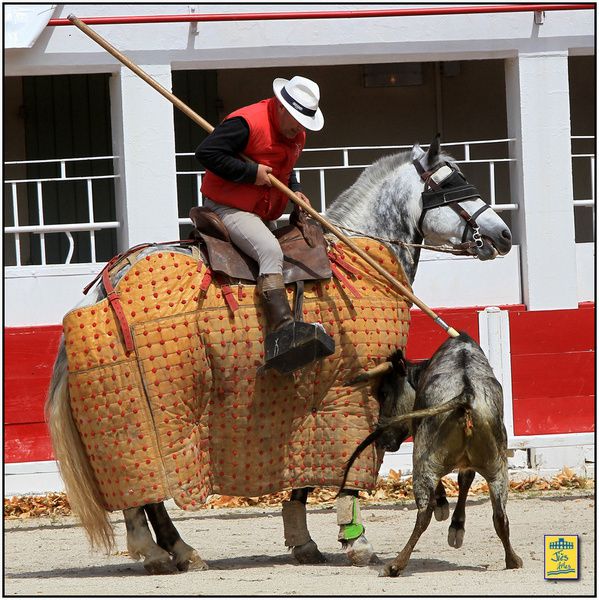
x=252 y=235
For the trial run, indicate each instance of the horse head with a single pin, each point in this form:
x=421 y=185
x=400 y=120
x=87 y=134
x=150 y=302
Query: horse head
x=452 y=210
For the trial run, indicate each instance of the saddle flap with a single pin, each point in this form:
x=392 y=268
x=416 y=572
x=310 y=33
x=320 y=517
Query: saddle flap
x=301 y=261
x=225 y=258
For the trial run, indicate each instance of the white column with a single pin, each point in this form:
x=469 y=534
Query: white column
x=538 y=107
x=144 y=140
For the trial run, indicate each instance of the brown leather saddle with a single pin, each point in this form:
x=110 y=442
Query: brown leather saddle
x=302 y=241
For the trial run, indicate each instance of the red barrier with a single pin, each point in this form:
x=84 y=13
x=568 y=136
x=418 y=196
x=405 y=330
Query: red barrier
x=553 y=372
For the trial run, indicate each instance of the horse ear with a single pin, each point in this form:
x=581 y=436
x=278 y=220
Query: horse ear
x=433 y=151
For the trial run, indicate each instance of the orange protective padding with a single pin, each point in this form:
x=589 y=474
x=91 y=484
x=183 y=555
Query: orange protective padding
x=186 y=414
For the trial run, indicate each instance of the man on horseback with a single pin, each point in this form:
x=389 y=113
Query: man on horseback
x=273 y=133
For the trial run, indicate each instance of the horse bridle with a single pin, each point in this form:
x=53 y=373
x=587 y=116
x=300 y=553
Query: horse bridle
x=444 y=185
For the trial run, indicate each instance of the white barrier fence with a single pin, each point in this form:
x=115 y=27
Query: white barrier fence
x=24 y=213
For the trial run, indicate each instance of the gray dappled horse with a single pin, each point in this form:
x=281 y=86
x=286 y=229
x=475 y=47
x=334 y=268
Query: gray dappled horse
x=407 y=198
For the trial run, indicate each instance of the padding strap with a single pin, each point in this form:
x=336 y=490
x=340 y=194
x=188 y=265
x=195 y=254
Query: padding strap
x=228 y=294
x=295 y=527
x=114 y=299
x=344 y=280
x=299 y=301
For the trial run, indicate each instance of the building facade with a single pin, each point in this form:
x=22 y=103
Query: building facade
x=97 y=161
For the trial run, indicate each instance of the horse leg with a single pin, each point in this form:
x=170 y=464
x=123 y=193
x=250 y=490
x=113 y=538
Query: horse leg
x=168 y=538
x=455 y=536
x=441 y=504
x=297 y=536
x=498 y=491
x=351 y=530
x=424 y=490
x=140 y=543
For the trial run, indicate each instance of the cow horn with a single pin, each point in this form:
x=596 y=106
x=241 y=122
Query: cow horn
x=372 y=373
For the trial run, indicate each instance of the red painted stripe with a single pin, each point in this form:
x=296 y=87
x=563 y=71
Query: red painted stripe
x=554 y=375
x=568 y=414
x=27 y=443
x=426 y=336
x=29 y=354
x=553 y=330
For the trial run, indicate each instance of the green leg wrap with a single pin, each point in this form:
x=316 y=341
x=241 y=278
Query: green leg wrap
x=349 y=518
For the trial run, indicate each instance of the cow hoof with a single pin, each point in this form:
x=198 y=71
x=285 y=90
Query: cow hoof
x=390 y=570
x=513 y=562
x=455 y=537
x=359 y=551
x=160 y=566
x=308 y=554
x=442 y=510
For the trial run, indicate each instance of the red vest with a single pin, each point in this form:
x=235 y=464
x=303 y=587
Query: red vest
x=265 y=146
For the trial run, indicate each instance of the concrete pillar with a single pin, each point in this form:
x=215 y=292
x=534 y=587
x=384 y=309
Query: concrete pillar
x=144 y=141
x=538 y=107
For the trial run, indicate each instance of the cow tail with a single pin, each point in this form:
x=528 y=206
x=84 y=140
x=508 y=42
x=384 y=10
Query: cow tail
x=468 y=398
x=77 y=474
x=363 y=445
x=462 y=400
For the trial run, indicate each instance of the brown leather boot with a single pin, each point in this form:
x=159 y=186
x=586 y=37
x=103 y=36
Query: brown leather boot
x=271 y=289
x=288 y=344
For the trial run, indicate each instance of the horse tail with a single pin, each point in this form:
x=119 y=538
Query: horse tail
x=80 y=482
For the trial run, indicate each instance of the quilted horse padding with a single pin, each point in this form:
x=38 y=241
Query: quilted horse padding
x=186 y=414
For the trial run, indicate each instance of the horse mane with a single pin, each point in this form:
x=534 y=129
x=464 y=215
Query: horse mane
x=348 y=208
x=383 y=195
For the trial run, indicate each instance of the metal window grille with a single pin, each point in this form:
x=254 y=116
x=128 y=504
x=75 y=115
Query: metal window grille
x=26 y=204
x=326 y=172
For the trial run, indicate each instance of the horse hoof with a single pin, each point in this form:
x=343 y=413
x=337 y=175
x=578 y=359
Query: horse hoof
x=160 y=567
x=308 y=554
x=192 y=563
x=442 y=511
x=360 y=551
x=455 y=537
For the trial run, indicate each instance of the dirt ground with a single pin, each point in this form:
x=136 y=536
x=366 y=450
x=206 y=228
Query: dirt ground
x=246 y=555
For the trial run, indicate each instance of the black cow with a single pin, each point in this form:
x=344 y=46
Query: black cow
x=457 y=423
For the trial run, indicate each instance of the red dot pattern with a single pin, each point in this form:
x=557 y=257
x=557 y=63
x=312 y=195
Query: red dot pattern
x=186 y=415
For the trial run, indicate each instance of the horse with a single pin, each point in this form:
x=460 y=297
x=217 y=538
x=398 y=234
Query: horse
x=401 y=200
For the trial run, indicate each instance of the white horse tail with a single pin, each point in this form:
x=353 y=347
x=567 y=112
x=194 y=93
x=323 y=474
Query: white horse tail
x=75 y=468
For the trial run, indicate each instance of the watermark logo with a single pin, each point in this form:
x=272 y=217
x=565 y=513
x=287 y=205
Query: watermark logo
x=561 y=557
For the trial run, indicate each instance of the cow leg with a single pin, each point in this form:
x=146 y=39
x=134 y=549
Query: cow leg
x=424 y=490
x=351 y=530
x=498 y=489
x=455 y=536
x=441 y=504
x=297 y=536
x=140 y=543
x=168 y=538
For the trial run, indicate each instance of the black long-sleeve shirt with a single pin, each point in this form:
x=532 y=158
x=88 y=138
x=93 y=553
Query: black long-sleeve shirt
x=219 y=153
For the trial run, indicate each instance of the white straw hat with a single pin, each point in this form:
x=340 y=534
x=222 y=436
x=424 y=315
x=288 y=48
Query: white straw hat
x=300 y=97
